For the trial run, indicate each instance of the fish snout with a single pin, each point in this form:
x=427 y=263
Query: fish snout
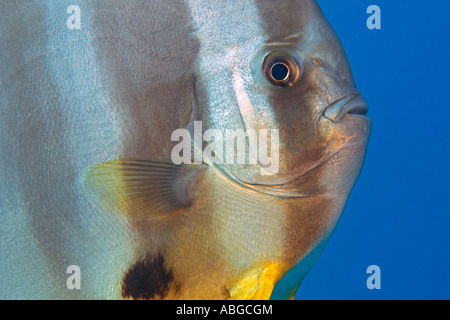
x=338 y=110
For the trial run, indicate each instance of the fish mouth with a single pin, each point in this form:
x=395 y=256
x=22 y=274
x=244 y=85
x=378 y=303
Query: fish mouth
x=349 y=113
x=345 y=106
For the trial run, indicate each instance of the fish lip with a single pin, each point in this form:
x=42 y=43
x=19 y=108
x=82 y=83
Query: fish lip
x=345 y=106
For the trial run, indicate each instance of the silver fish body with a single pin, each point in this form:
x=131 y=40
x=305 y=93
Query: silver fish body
x=87 y=117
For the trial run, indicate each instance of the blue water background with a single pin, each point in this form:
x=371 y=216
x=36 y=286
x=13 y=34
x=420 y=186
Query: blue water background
x=398 y=215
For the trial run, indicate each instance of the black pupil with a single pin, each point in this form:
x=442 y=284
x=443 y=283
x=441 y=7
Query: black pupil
x=279 y=71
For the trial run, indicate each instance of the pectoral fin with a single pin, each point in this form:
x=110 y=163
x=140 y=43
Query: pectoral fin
x=144 y=188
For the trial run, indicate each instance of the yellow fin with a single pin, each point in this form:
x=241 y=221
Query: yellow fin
x=144 y=188
x=257 y=284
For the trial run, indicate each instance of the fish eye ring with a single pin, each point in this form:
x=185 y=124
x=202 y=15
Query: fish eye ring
x=281 y=70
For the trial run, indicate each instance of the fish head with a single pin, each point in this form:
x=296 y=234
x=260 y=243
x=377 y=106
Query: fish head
x=281 y=70
x=290 y=75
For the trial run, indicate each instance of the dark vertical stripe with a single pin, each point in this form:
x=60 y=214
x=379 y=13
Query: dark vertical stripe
x=150 y=66
x=286 y=18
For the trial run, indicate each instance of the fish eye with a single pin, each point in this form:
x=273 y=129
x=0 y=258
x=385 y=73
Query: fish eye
x=281 y=70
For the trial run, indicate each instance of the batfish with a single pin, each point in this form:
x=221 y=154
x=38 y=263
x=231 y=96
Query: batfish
x=179 y=149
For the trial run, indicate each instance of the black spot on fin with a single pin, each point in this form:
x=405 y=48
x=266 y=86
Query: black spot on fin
x=144 y=188
x=147 y=279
